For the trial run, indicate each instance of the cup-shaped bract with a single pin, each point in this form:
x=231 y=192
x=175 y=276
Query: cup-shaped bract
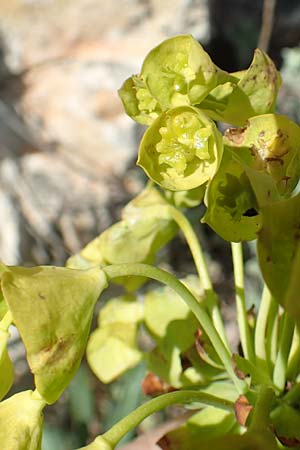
x=52 y=307
x=179 y=72
x=138 y=102
x=249 y=93
x=21 y=422
x=269 y=143
x=181 y=150
x=231 y=203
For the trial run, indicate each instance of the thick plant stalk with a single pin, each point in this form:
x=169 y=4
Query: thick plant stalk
x=280 y=369
x=200 y=263
x=168 y=279
x=242 y=320
x=261 y=324
x=118 y=431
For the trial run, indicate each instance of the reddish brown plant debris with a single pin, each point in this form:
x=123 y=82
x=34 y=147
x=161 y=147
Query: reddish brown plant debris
x=242 y=409
x=153 y=385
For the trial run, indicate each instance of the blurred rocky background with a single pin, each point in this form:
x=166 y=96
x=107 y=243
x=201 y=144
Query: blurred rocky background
x=67 y=150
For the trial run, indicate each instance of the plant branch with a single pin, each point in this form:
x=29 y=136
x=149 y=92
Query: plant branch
x=261 y=324
x=267 y=24
x=200 y=263
x=261 y=412
x=120 y=429
x=280 y=369
x=243 y=324
x=198 y=310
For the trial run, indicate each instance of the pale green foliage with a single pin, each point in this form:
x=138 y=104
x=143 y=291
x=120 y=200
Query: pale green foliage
x=231 y=203
x=252 y=92
x=248 y=181
x=58 y=304
x=146 y=227
x=112 y=347
x=270 y=144
x=21 y=422
x=278 y=251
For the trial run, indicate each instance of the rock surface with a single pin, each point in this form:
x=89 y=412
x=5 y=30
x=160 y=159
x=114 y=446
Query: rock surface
x=66 y=144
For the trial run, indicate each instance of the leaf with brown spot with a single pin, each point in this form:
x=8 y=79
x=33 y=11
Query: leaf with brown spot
x=153 y=385
x=54 y=328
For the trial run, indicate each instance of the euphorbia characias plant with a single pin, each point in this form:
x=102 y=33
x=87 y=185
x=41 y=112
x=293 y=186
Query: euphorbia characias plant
x=247 y=181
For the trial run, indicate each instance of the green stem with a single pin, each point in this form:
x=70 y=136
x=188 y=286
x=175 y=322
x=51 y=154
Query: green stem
x=120 y=429
x=272 y=334
x=168 y=279
x=293 y=396
x=294 y=357
x=200 y=263
x=6 y=321
x=280 y=369
x=242 y=319
x=261 y=324
x=261 y=412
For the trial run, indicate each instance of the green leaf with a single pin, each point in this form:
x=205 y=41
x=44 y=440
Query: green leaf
x=285 y=420
x=3 y=305
x=138 y=102
x=231 y=203
x=146 y=227
x=21 y=422
x=6 y=367
x=173 y=328
x=253 y=92
x=58 y=304
x=210 y=422
x=181 y=150
x=258 y=372
x=186 y=199
x=124 y=309
x=264 y=440
x=112 y=349
x=279 y=254
x=269 y=144
x=163 y=306
x=179 y=72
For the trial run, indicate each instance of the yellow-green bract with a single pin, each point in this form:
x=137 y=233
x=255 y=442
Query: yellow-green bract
x=21 y=422
x=231 y=204
x=270 y=143
x=176 y=72
x=52 y=308
x=248 y=93
x=181 y=150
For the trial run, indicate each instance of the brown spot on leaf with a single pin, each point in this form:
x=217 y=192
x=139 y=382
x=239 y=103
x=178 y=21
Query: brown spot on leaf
x=41 y=296
x=274 y=159
x=239 y=373
x=236 y=135
x=242 y=409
